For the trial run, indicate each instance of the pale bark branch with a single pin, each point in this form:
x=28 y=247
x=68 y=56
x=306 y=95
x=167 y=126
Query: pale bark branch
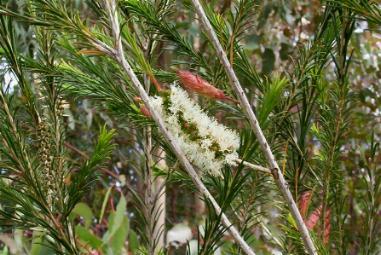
x=277 y=173
x=253 y=166
x=119 y=55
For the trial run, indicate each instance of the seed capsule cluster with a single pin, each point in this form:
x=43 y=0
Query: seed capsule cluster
x=45 y=157
x=61 y=105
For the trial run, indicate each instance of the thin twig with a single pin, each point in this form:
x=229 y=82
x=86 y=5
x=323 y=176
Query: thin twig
x=267 y=231
x=119 y=55
x=76 y=150
x=235 y=84
x=253 y=166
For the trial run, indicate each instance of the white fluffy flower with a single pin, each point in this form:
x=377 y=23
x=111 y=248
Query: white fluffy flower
x=207 y=144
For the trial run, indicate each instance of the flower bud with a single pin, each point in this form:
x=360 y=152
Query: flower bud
x=144 y=110
x=137 y=99
x=155 y=82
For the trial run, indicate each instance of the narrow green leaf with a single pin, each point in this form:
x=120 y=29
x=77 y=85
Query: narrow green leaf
x=104 y=204
x=271 y=98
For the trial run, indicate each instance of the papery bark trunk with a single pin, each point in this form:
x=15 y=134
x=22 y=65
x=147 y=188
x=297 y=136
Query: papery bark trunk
x=160 y=203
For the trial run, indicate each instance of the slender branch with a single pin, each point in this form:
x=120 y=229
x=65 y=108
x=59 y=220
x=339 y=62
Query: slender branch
x=271 y=235
x=277 y=173
x=253 y=166
x=119 y=55
x=76 y=150
x=101 y=46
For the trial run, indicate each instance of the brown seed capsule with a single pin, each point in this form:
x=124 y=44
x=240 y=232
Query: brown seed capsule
x=275 y=174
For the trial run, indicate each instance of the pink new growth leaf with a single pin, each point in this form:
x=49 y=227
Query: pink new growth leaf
x=193 y=82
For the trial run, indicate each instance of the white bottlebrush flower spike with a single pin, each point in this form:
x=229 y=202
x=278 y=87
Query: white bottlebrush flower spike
x=207 y=144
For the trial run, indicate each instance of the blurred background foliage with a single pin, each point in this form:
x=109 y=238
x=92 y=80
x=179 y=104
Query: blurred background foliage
x=311 y=70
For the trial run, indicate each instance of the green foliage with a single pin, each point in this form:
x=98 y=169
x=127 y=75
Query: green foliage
x=30 y=179
x=315 y=96
x=154 y=17
x=367 y=10
x=270 y=100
